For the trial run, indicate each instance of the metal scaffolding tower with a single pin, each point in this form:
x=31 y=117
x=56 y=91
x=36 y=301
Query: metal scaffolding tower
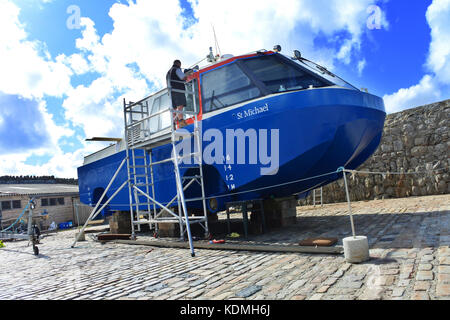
x=150 y=123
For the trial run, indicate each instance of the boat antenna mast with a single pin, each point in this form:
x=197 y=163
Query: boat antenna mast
x=211 y=57
x=216 y=42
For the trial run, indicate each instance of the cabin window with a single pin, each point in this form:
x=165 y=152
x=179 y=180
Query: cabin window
x=156 y=105
x=191 y=91
x=154 y=121
x=226 y=86
x=280 y=76
x=161 y=121
x=164 y=118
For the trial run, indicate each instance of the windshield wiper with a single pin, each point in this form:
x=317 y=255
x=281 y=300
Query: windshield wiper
x=325 y=71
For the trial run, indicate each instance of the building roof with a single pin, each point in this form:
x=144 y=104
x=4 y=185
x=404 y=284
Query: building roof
x=37 y=189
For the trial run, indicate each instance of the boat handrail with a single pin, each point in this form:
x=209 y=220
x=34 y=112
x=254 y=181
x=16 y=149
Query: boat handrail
x=136 y=122
x=133 y=104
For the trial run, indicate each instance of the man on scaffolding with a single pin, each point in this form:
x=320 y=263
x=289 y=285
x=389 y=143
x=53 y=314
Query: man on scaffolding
x=177 y=79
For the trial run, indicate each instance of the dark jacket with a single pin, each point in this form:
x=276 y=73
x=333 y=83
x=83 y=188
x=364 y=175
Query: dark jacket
x=178 y=98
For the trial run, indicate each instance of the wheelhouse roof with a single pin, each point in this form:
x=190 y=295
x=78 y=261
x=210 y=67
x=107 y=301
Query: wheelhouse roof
x=232 y=59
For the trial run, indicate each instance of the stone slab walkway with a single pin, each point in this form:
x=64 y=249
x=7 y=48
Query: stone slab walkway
x=409 y=247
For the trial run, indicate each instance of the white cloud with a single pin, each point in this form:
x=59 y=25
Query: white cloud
x=438 y=14
x=26 y=67
x=434 y=86
x=361 y=66
x=76 y=62
x=424 y=92
x=29 y=74
x=294 y=23
x=61 y=164
x=30 y=131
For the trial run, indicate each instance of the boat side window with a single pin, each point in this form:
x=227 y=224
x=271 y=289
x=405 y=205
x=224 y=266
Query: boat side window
x=154 y=121
x=226 y=86
x=191 y=91
x=279 y=76
x=165 y=116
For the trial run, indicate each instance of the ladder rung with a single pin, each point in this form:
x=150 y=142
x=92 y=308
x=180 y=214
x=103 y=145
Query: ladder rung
x=142 y=204
x=193 y=199
x=137 y=166
x=145 y=212
x=142 y=221
x=189 y=155
x=191 y=177
x=162 y=161
x=186 y=168
x=185 y=134
x=143 y=184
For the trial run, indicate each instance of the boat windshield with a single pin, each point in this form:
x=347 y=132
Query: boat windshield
x=324 y=72
x=250 y=78
x=279 y=75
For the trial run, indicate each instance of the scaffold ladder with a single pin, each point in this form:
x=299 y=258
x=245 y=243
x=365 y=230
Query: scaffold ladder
x=321 y=197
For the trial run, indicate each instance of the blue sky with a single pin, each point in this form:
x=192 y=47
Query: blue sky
x=63 y=82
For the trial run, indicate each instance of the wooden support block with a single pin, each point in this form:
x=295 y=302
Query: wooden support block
x=236 y=247
x=110 y=236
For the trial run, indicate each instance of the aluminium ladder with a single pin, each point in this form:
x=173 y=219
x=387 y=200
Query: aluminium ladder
x=321 y=197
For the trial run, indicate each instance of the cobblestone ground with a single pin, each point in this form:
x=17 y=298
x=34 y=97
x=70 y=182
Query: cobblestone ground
x=409 y=249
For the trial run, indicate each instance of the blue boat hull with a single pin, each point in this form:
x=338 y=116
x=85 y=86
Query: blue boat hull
x=320 y=131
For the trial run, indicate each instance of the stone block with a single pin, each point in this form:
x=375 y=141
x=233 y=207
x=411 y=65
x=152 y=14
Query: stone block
x=443 y=290
x=425 y=267
x=249 y=291
x=420 y=295
x=298 y=297
x=444 y=261
x=280 y=212
x=398 y=292
x=444 y=269
x=422 y=285
x=120 y=222
x=424 y=275
x=171 y=230
x=444 y=278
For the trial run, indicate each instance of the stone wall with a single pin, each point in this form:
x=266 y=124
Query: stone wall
x=414 y=140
